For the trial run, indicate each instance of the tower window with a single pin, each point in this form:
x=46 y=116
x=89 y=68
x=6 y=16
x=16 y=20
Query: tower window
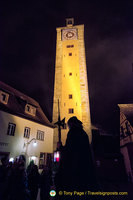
x=69 y=22
x=70 y=54
x=11 y=129
x=70 y=96
x=71 y=110
x=70 y=74
x=70 y=46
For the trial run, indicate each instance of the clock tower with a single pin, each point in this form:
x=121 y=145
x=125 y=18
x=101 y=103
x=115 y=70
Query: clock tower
x=71 y=86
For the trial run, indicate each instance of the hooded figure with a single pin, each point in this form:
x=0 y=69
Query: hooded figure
x=76 y=170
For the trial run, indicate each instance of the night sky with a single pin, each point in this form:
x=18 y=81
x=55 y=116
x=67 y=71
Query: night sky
x=28 y=46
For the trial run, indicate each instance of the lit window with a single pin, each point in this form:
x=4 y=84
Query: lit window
x=4 y=97
x=11 y=129
x=40 y=135
x=70 y=96
x=71 y=110
x=27 y=132
x=30 y=109
x=70 y=54
x=70 y=74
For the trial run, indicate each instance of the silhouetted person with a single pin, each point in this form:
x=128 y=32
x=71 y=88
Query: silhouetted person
x=45 y=182
x=3 y=176
x=17 y=181
x=33 y=180
x=76 y=171
x=29 y=168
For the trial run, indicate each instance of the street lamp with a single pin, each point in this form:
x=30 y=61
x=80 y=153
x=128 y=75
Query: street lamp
x=26 y=146
x=34 y=144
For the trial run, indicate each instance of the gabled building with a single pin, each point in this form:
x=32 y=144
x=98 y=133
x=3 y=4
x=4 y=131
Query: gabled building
x=24 y=128
x=126 y=137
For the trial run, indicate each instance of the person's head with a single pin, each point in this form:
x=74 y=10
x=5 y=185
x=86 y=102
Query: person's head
x=21 y=162
x=22 y=158
x=73 y=122
x=31 y=163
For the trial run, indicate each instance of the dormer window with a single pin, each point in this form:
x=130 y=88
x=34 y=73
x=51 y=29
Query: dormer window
x=30 y=109
x=4 y=97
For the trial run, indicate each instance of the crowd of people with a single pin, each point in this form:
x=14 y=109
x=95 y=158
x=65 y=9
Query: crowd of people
x=75 y=171
x=17 y=182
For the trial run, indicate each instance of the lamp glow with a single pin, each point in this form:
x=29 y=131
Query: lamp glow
x=11 y=159
x=35 y=143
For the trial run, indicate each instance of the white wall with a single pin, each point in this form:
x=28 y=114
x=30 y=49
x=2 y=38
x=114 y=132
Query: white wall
x=16 y=143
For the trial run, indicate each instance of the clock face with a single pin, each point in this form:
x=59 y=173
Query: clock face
x=69 y=34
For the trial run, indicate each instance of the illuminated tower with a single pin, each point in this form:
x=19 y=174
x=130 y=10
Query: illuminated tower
x=71 y=86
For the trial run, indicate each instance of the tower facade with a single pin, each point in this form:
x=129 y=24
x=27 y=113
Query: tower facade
x=71 y=85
